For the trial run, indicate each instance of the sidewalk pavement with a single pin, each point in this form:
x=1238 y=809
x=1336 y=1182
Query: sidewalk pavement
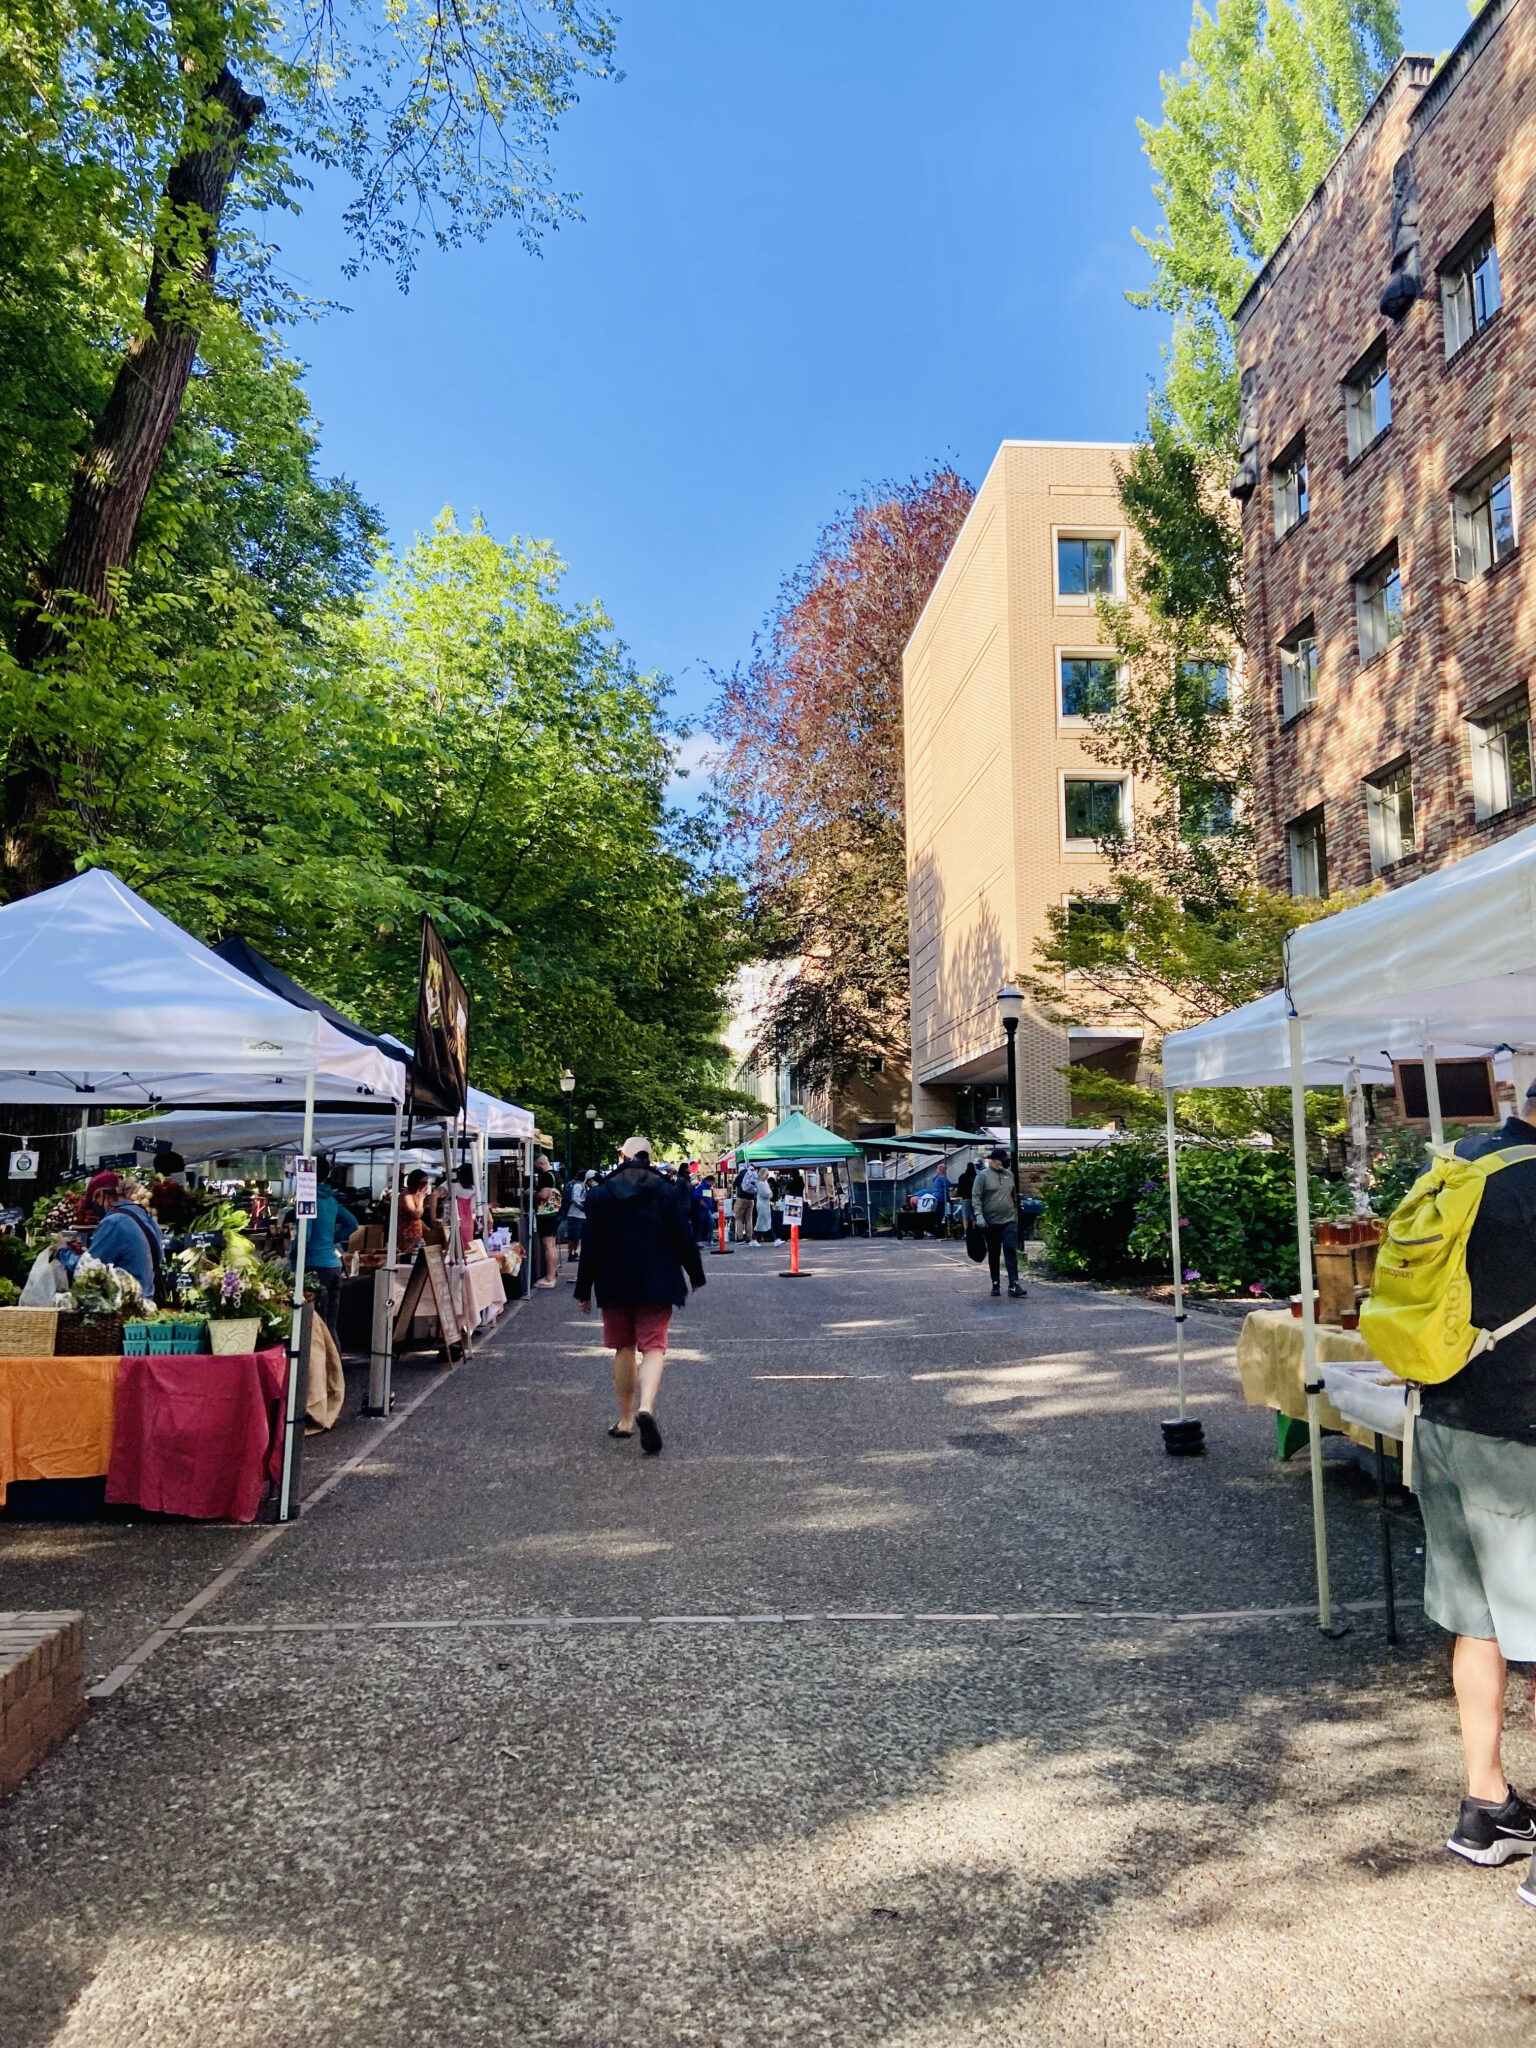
x=860 y=1715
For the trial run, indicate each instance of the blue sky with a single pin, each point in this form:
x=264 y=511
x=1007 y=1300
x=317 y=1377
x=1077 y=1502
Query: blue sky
x=825 y=242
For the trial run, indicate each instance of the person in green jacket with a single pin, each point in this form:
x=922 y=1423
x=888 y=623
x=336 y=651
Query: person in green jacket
x=995 y=1205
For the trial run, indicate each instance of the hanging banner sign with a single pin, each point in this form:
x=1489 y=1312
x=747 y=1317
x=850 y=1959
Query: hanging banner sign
x=23 y=1166
x=442 y=1023
x=306 y=1189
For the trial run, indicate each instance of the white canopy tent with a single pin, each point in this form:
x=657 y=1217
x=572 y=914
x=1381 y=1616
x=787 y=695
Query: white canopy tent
x=105 y=1001
x=1444 y=967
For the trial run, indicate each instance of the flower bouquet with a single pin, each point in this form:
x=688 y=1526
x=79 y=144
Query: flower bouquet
x=247 y=1304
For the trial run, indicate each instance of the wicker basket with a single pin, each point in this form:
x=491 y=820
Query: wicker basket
x=88 y=1337
x=27 y=1332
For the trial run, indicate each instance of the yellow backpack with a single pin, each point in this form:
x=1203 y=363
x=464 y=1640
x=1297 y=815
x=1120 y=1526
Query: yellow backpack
x=1418 y=1317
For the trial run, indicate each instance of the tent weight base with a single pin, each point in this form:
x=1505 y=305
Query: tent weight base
x=1184 y=1439
x=1336 y=1628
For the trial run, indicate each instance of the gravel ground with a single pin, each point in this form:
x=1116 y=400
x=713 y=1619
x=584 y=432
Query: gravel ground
x=400 y=1786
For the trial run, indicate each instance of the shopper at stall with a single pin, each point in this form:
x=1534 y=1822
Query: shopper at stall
x=1474 y=1478
x=995 y=1205
x=127 y=1236
x=638 y=1258
x=330 y=1226
x=413 y=1198
x=744 y=1202
x=464 y=1195
x=763 y=1209
x=546 y=1217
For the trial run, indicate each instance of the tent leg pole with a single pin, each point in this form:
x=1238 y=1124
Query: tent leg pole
x=298 y=1359
x=1181 y=1437
x=1432 y=1097
x=1310 y=1377
x=381 y=1363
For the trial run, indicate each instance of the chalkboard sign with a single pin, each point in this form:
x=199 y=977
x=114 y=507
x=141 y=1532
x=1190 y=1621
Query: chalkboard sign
x=1466 y=1091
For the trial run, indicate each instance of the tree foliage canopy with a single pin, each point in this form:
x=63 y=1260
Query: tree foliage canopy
x=1250 y=122
x=812 y=773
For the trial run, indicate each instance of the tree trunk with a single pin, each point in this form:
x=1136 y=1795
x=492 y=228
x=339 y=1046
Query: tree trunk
x=113 y=476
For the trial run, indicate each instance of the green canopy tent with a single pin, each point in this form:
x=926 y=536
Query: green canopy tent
x=797 y=1142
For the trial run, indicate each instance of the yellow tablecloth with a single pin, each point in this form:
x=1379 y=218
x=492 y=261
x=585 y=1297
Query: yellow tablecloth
x=55 y=1418
x=1269 y=1358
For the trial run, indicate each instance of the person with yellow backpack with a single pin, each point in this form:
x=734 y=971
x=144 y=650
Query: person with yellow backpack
x=1452 y=1311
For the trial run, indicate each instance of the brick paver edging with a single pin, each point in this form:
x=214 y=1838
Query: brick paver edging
x=42 y=1688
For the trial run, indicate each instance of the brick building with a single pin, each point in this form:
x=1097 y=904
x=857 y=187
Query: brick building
x=1388 y=357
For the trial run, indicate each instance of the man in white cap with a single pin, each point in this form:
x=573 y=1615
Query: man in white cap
x=637 y=1256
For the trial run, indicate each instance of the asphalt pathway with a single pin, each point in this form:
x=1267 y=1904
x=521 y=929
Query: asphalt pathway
x=912 y=1696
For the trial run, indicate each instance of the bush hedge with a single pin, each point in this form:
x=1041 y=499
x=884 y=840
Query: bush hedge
x=1106 y=1216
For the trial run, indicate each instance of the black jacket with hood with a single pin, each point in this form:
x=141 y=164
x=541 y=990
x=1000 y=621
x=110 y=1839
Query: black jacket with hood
x=638 y=1244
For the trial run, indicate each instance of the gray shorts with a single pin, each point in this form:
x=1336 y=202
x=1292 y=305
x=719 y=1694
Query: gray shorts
x=1478 y=1498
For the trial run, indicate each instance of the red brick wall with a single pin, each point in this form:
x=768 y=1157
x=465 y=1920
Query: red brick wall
x=42 y=1688
x=1310 y=320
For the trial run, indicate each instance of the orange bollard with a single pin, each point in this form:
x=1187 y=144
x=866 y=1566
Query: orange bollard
x=722 y=1246
x=794 y=1272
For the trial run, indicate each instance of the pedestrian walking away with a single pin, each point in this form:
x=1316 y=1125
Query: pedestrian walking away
x=744 y=1203
x=576 y=1211
x=995 y=1205
x=1475 y=1481
x=638 y=1259
x=763 y=1208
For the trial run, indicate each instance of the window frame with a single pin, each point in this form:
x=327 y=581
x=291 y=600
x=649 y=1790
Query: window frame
x=1475 y=495
x=1361 y=385
x=1085 y=600
x=1214 y=706
x=1292 y=702
x=1494 y=794
x=1314 y=821
x=1080 y=720
x=1385 y=824
x=1122 y=782
x=1458 y=282
x=1290 y=463
x=1374 y=580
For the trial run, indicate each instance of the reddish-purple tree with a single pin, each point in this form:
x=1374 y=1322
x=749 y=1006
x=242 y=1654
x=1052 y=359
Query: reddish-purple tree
x=812 y=772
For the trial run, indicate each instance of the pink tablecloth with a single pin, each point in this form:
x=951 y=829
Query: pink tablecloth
x=198 y=1436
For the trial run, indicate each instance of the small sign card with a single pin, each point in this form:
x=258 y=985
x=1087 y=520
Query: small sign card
x=306 y=1190
x=793 y=1208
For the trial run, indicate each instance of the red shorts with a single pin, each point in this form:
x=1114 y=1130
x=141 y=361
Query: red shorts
x=644 y=1326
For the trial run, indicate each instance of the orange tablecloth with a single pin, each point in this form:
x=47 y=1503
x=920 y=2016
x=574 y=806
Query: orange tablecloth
x=55 y=1418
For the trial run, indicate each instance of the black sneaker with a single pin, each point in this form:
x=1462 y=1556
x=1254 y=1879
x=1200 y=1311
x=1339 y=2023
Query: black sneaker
x=1017 y=1293
x=650 y=1435
x=996 y=1288
x=1494 y=1835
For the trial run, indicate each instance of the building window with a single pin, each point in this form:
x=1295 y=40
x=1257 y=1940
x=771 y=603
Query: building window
x=1501 y=756
x=1484 y=513
x=1298 y=671
x=1308 y=845
x=1207 y=685
x=1389 y=806
x=1379 y=604
x=1085 y=568
x=1367 y=402
x=1206 y=810
x=1470 y=292
x=1289 y=481
x=1094 y=811
x=1087 y=685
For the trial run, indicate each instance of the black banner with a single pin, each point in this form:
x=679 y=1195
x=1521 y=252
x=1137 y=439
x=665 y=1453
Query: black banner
x=442 y=1026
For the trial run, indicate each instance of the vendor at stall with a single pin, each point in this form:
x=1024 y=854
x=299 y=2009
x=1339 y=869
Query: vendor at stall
x=127 y=1236
x=333 y=1223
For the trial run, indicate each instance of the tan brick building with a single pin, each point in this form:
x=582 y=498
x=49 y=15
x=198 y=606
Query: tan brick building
x=1004 y=803
x=1391 y=616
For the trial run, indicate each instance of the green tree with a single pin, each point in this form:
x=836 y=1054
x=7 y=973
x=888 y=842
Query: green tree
x=139 y=148
x=1251 y=121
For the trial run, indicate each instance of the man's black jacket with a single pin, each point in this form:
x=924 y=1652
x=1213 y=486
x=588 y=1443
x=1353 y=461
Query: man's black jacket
x=638 y=1243
x=1496 y=1394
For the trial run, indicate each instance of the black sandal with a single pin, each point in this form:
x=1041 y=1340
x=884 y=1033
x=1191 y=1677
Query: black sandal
x=616 y=1431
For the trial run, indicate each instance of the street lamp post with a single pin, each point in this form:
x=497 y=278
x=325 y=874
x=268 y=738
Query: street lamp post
x=567 y=1087
x=597 y=1132
x=1010 y=1004
x=591 y=1118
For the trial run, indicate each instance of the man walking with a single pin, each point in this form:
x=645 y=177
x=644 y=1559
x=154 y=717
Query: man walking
x=744 y=1206
x=637 y=1257
x=1475 y=1480
x=995 y=1205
